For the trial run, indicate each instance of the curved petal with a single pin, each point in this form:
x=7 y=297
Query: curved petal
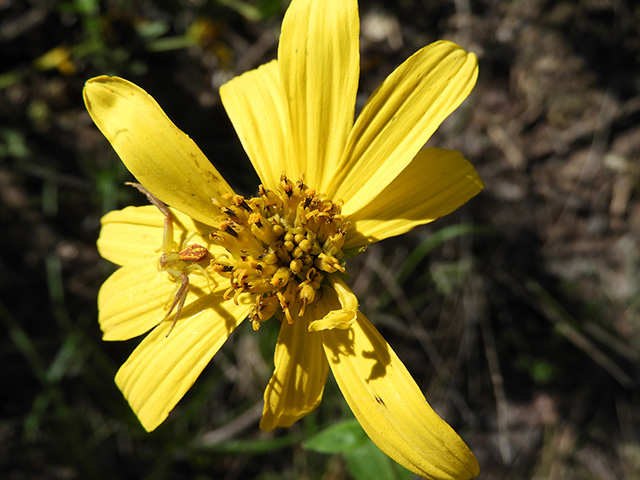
x=135 y=298
x=342 y=317
x=256 y=106
x=434 y=184
x=163 y=158
x=319 y=66
x=399 y=118
x=301 y=370
x=162 y=368
x=135 y=234
x=390 y=406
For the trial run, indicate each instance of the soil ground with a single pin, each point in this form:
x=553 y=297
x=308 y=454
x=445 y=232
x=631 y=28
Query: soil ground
x=518 y=315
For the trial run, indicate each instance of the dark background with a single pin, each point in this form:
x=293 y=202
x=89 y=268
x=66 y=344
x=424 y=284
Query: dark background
x=519 y=315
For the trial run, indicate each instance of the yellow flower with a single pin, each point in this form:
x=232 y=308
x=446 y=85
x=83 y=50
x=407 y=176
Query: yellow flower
x=283 y=252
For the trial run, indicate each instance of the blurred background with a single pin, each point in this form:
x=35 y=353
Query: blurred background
x=519 y=315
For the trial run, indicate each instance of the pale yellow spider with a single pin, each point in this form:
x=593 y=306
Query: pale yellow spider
x=177 y=263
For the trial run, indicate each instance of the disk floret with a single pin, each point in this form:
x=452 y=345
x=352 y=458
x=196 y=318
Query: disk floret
x=281 y=244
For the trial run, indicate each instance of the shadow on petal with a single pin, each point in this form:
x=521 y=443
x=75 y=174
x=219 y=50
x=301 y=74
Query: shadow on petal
x=391 y=407
x=300 y=373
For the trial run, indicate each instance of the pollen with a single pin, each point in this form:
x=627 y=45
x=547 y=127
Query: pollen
x=281 y=244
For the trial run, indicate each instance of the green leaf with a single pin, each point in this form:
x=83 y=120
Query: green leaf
x=338 y=438
x=367 y=461
x=364 y=459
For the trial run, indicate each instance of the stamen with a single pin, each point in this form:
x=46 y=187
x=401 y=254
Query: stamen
x=240 y=202
x=226 y=227
x=285 y=307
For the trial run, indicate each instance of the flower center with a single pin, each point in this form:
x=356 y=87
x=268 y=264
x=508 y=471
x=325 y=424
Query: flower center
x=281 y=245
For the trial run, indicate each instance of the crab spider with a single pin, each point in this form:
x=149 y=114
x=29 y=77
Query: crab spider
x=177 y=263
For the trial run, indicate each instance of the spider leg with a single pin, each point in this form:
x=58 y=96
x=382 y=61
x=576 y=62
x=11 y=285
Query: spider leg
x=167 y=238
x=205 y=274
x=178 y=301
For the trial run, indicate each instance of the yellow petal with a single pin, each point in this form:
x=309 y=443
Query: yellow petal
x=161 y=370
x=161 y=157
x=135 y=298
x=301 y=370
x=135 y=234
x=435 y=183
x=400 y=117
x=319 y=67
x=339 y=318
x=390 y=406
x=256 y=106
